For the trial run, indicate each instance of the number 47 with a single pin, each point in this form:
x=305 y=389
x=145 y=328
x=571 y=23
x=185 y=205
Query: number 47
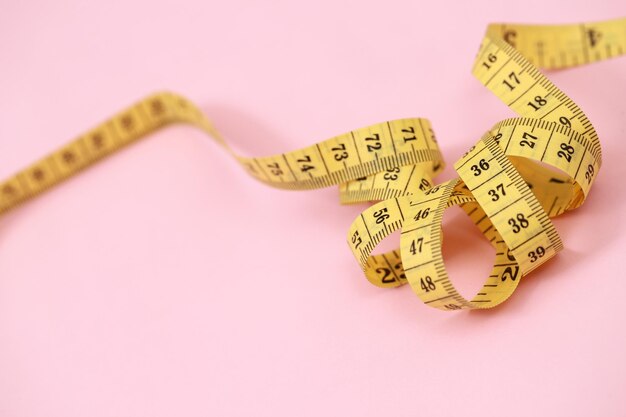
x=416 y=246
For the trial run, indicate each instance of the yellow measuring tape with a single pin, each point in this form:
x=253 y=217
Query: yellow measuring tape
x=520 y=173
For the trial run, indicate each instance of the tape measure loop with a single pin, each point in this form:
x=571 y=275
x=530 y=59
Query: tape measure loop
x=421 y=249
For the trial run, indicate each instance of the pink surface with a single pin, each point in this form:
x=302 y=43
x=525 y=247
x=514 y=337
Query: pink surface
x=165 y=281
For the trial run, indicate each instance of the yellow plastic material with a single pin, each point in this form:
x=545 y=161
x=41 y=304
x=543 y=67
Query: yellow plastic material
x=520 y=173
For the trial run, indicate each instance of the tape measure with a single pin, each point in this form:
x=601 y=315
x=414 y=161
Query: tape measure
x=522 y=172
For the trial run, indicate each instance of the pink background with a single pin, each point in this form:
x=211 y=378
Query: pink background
x=165 y=281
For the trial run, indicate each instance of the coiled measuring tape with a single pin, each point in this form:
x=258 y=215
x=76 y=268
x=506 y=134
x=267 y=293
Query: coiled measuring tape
x=520 y=173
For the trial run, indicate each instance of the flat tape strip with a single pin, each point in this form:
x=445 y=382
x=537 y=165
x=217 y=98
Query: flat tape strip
x=522 y=172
